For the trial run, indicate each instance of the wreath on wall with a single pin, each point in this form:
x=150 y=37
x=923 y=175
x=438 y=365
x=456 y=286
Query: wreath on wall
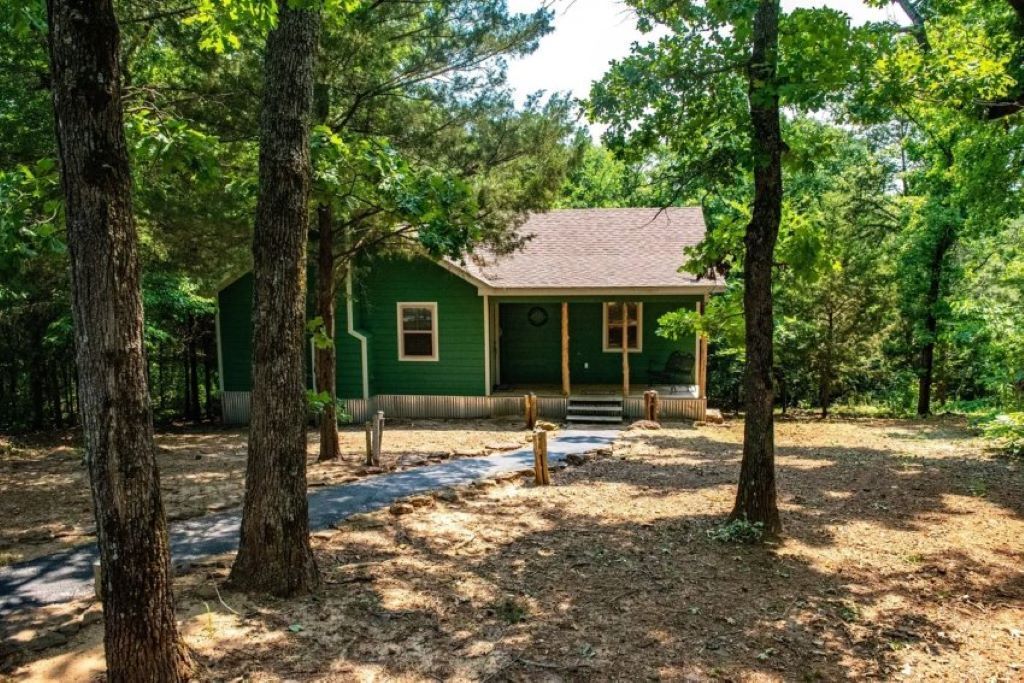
x=537 y=316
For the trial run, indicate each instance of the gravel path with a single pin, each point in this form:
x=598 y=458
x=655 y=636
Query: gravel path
x=67 y=575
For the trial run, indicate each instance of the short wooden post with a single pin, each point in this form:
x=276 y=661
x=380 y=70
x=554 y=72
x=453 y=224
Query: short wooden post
x=97 y=580
x=530 y=404
x=378 y=436
x=541 y=473
x=625 y=349
x=651 y=405
x=369 y=443
x=565 y=349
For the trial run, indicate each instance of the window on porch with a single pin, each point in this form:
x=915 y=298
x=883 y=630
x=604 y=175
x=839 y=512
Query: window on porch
x=613 y=326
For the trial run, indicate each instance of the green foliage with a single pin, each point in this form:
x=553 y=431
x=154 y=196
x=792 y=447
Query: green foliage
x=738 y=531
x=319 y=334
x=511 y=611
x=1006 y=431
x=317 y=402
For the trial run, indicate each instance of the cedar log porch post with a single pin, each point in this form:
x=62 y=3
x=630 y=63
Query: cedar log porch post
x=702 y=355
x=565 y=349
x=625 y=348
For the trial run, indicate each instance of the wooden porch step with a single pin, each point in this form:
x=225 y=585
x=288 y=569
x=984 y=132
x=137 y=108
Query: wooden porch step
x=593 y=418
x=594 y=398
x=595 y=408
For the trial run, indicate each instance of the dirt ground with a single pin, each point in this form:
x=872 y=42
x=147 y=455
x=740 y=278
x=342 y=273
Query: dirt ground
x=45 y=502
x=901 y=560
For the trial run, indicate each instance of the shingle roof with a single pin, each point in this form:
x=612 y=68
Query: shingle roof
x=598 y=249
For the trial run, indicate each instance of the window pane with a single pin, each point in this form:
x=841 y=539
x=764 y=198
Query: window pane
x=615 y=337
x=418 y=344
x=614 y=332
x=633 y=341
x=416 y=319
x=614 y=315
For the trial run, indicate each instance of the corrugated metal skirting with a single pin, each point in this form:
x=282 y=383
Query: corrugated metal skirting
x=236 y=407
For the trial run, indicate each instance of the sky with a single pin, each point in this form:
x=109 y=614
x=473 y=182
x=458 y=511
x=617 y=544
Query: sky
x=590 y=33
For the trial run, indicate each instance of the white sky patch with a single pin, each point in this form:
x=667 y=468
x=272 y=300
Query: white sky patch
x=589 y=34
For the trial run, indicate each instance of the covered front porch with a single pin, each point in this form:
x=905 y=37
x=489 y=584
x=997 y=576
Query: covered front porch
x=596 y=345
x=553 y=390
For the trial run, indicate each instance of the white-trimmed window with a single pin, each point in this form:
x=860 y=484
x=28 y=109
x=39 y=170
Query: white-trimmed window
x=417 y=330
x=613 y=326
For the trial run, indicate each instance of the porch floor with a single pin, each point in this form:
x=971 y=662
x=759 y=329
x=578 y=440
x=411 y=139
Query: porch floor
x=555 y=390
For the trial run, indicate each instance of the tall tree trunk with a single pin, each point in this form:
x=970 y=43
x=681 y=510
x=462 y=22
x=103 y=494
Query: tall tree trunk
x=208 y=373
x=274 y=554
x=161 y=376
x=140 y=632
x=193 y=372
x=827 y=371
x=326 y=358
x=55 y=393
x=931 y=323
x=756 y=497
x=69 y=400
x=37 y=379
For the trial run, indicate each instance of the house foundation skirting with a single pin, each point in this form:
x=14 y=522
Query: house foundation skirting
x=235 y=406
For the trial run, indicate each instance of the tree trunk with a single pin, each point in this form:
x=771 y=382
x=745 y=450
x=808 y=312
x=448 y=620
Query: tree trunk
x=756 y=497
x=140 y=632
x=326 y=358
x=208 y=374
x=186 y=399
x=37 y=380
x=193 y=372
x=274 y=553
x=931 y=323
x=55 y=393
x=825 y=387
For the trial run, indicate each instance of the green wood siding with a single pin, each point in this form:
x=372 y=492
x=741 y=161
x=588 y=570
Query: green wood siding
x=234 y=304
x=460 y=323
x=531 y=354
x=349 y=371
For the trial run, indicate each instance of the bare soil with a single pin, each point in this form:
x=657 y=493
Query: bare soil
x=901 y=560
x=45 y=503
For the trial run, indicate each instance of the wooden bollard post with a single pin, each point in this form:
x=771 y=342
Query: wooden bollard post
x=652 y=405
x=541 y=473
x=369 y=443
x=378 y=436
x=530 y=404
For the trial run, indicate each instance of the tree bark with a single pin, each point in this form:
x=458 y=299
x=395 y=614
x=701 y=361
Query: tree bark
x=208 y=373
x=140 y=632
x=55 y=395
x=274 y=553
x=193 y=372
x=931 y=323
x=326 y=358
x=827 y=371
x=756 y=496
x=37 y=379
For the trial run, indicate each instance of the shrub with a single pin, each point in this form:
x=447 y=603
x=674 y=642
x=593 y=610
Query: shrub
x=1007 y=431
x=738 y=531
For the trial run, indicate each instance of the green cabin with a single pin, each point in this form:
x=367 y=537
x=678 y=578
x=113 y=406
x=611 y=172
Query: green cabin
x=422 y=338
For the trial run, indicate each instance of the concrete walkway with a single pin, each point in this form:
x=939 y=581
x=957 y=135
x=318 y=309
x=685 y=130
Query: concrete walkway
x=67 y=575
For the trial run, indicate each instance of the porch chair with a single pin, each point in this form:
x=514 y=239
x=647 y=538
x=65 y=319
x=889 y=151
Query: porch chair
x=674 y=372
